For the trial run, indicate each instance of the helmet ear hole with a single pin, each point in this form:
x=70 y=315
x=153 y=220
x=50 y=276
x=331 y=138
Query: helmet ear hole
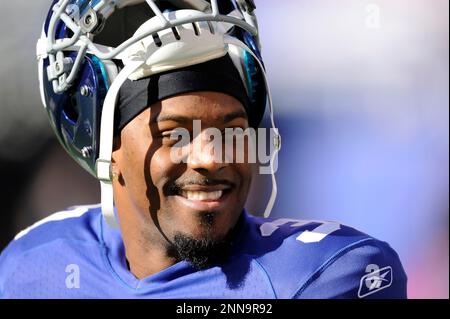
x=71 y=110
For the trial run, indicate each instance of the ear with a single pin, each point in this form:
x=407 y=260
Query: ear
x=116 y=160
x=115 y=155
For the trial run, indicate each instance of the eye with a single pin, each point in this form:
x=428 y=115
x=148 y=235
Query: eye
x=234 y=131
x=177 y=137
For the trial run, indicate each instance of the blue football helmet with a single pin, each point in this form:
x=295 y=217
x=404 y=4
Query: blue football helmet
x=89 y=48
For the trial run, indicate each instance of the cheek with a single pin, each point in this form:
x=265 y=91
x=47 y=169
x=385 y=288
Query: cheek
x=146 y=163
x=246 y=172
x=161 y=168
x=135 y=171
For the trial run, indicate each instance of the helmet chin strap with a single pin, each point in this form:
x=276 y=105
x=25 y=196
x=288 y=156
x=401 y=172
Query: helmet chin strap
x=103 y=164
x=277 y=137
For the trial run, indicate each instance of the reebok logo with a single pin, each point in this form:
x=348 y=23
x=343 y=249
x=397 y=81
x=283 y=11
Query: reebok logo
x=375 y=280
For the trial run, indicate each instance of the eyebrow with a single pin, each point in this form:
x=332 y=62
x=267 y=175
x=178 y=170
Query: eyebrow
x=184 y=119
x=169 y=117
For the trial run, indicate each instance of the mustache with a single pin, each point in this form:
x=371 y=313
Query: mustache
x=179 y=184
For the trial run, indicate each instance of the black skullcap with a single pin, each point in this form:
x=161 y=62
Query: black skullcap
x=218 y=75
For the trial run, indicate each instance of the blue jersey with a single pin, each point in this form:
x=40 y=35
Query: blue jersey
x=75 y=254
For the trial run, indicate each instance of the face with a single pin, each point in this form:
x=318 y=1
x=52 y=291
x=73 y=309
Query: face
x=201 y=196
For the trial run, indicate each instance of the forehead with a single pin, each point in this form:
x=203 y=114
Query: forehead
x=210 y=107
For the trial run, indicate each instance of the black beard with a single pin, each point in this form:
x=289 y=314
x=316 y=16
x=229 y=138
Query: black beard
x=200 y=253
x=204 y=252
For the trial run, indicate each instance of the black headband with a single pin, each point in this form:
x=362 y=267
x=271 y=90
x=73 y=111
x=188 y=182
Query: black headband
x=219 y=75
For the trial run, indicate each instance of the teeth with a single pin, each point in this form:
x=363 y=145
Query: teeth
x=202 y=195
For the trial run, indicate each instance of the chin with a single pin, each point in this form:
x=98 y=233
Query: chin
x=203 y=247
x=207 y=225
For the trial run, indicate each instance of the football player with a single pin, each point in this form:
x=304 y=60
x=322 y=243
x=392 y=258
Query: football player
x=122 y=81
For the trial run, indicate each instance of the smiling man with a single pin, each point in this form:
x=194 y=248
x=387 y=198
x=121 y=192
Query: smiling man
x=186 y=209
x=122 y=81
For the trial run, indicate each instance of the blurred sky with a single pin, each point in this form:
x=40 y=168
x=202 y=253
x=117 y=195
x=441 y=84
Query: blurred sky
x=361 y=95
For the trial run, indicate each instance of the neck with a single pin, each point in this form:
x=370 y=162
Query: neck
x=145 y=247
x=146 y=254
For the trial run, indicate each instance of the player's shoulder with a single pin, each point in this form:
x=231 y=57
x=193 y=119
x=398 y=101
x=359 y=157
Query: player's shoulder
x=77 y=224
x=322 y=259
x=43 y=252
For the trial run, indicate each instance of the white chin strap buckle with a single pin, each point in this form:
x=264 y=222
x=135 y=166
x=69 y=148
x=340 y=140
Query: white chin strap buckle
x=104 y=170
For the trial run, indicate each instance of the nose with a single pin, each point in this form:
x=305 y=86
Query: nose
x=206 y=153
